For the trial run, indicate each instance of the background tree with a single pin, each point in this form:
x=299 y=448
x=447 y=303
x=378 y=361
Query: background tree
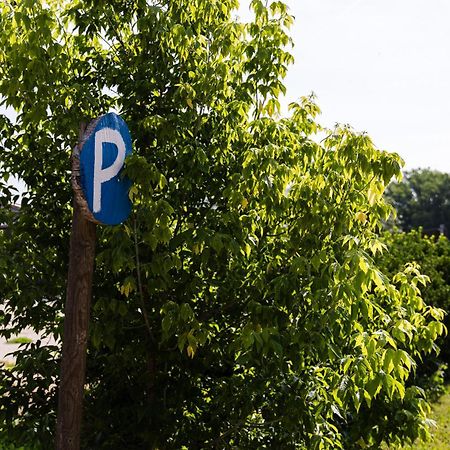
x=432 y=254
x=422 y=199
x=239 y=306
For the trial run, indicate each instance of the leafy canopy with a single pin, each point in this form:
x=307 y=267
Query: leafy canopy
x=240 y=305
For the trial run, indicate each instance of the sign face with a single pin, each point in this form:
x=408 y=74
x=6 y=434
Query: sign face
x=101 y=160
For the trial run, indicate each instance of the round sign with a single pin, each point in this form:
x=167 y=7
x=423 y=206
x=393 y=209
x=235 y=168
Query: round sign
x=101 y=160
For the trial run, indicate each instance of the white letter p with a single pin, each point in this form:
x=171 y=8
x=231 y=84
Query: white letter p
x=103 y=175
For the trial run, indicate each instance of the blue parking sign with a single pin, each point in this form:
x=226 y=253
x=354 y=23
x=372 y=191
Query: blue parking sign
x=101 y=161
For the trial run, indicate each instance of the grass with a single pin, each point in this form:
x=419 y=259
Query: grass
x=19 y=340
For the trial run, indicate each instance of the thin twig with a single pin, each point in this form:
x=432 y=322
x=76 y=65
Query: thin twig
x=117 y=34
x=141 y=295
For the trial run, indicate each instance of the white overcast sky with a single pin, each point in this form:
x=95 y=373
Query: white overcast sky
x=382 y=66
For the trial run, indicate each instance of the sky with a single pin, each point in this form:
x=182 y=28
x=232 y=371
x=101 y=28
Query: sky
x=382 y=66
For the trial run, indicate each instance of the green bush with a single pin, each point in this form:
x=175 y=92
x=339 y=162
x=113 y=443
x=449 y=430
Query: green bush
x=19 y=340
x=432 y=254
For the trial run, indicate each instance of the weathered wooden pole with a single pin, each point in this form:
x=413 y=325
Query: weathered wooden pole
x=100 y=196
x=76 y=322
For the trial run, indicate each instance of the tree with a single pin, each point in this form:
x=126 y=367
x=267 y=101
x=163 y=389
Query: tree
x=239 y=306
x=432 y=254
x=422 y=199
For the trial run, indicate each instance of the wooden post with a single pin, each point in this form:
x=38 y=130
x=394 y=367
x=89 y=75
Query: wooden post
x=109 y=128
x=76 y=321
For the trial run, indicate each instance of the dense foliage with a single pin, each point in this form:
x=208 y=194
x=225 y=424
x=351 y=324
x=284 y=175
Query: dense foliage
x=422 y=199
x=240 y=306
x=432 y=254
